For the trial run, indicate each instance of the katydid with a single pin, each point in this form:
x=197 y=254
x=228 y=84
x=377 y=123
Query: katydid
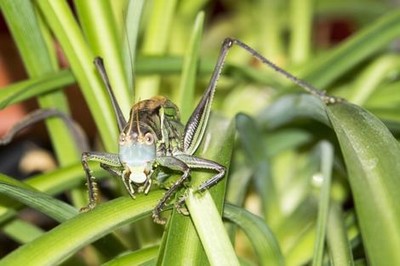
x=154 y=138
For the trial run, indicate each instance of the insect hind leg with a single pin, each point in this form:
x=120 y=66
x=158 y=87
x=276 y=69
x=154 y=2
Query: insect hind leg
x=229 y=42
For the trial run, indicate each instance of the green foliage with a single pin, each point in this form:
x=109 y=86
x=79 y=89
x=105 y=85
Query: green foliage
x=308 y=183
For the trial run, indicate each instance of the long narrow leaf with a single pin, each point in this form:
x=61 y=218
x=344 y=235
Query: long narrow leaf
x=102 y=34
x=54 y=208
x=135 y=258
x=39 y=59
x=187 y=85
x=22 y=231
x=68 y=33
x=133 y=16
x=371 y=154
x=21 y=91
x=211 y=231
x=322 y=71
x=338 y=244
x=324 y=199
x=259 y=234
x=155 y=42
x=82 y=230
x=217 y=145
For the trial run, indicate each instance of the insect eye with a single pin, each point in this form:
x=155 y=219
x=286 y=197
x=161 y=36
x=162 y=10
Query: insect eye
x=122 y=138
x=149 y=138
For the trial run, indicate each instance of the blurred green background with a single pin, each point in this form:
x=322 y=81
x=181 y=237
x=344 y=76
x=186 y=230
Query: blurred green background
x=308 y=183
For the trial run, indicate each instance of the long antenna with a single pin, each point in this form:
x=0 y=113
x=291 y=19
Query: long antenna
x=98 y=62
x=137 y=123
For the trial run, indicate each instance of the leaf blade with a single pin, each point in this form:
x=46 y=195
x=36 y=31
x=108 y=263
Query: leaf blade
x=371 y=153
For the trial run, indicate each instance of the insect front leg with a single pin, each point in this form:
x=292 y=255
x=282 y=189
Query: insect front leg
x=173 y=164
x=119 y=172
x=108 y=161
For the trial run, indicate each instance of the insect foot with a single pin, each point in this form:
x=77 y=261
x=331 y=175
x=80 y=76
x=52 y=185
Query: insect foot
x=87 y=208
x=180 y=205
x=157 y=216
x=327 y=99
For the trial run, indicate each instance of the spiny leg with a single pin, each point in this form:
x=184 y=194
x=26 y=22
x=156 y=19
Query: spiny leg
x=173 y=164
x=199 y=163
x=109 y=159
x=197 y=123
x=112 y=170
x=119 y=172
x=229 y=42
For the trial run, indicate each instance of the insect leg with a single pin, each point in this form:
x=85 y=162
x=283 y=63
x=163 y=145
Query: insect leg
x=199 y=163
x=229 y=42
x=197 y=123
x=195 y=162
x=119 y=171
x=112 y=170
x=109 y=159
x=173 y=164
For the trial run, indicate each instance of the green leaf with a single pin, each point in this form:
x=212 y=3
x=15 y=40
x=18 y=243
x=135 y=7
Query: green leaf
x=58 y=210
x=210 y=229
x=217 y=146
x=64 y=26
x=292 y=107
x=322 y=71
x=260 y=235
x=371 y=155
x=155 y=41
x=368 y=81
x=99 y=26
x=189 y=71
x=337 y=242
x=21 y=231
x=256 y=153
x=39 y=59
x=21 y=91
x=69 y=237
x=138 y=257
x=134 y=10
x=324 y=199
x=301 y=16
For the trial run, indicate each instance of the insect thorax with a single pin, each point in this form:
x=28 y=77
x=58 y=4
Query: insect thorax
x=161 y=117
